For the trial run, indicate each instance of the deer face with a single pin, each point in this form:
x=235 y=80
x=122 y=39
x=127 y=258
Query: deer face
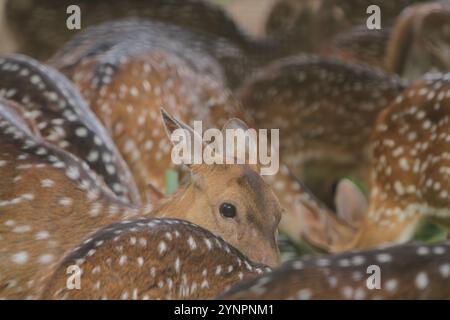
x=232 y=201
x=240 y=207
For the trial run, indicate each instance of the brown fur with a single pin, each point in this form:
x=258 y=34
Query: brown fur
x=324 y=109
x=127 y=97
x=409 y=181
x=151 y=259
x=410 y=271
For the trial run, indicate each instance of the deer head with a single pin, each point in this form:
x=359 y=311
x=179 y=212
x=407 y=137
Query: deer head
x=328 y=230
x=228 y=199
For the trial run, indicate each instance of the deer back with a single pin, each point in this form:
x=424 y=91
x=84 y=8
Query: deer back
x=324 y=109
x=127 y=84
x=63 y=118
x=154 y=259
x=44 y=32
x=49 y=200
x=411 y=271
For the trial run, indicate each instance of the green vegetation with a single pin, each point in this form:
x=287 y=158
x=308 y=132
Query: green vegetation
x=171 y=178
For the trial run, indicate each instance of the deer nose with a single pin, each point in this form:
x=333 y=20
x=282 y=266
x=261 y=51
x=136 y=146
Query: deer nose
x=272 y=259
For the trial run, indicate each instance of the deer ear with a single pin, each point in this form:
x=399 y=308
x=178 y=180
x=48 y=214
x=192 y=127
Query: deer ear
x=351 y=204
x=314 y=227
x=171 y=124
x=190 y=137
x=154 y=194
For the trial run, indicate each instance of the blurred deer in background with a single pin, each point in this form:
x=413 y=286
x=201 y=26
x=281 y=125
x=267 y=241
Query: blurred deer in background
x=198 y=25
x=359 y=45
x=317 y=21
x=420 y=40
x=51 y=200
x=40 y=28
x=154 y=259
x=126 y=38
x=126 y=84
x=325 y=110
x=354 y=275
x=409 y=174
x=63 y=118
x=415 y=42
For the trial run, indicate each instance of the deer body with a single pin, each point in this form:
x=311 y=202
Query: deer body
x=153 y=259
x=415 y=42
x=410 y=271
x=324 y=110
x=42 y=34
x=126 y=86
x=48 y=199
x=409 y=176
x=360 y=45
x=420 y=40
x=63 y=118
x=318 y=21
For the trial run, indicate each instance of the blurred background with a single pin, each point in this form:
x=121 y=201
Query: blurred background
x=250 y=14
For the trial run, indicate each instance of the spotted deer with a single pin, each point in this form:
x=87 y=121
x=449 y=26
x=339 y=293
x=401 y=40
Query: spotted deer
x=360 y=45
x=214 y=56
x=50 y=200
x=126 y=84
x=409 y=174
x=420 y=40
x=409 y=271
x=40 y=30
x=154 y=259
x=317 y=21
x=415 y=42
x=324 y=109
x=196 y=25
x=63 y=118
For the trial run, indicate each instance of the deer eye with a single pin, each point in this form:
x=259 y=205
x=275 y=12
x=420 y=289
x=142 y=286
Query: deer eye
x=227 y=210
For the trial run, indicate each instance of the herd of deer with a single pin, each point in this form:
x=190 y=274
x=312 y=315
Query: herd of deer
x=84 y=151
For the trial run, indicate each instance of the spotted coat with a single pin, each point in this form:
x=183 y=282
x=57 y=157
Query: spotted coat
x=410 y=271
x=153 y=259
x=63 y=118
